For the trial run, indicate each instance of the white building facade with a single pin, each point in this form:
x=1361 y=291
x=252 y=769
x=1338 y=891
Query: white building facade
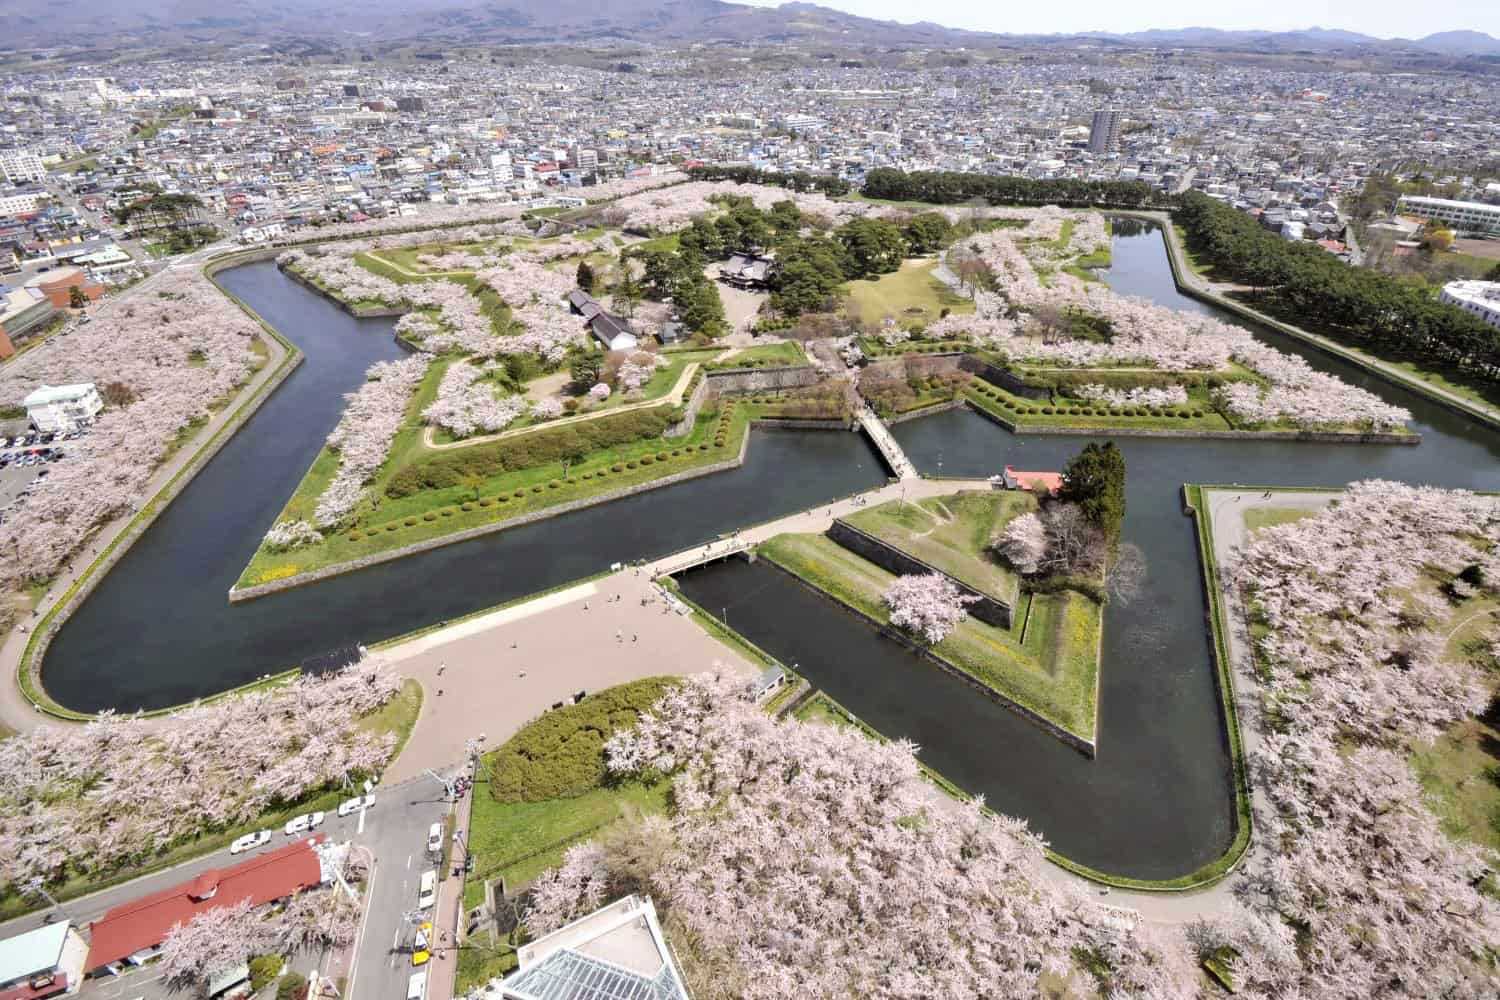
x=19 y=166
x=54 y=408
x=1462 y=216
x=1482 y=298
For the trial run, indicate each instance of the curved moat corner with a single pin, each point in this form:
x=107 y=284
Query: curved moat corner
x=1156 y=804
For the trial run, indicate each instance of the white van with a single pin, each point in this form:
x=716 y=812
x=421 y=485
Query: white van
x=427 y=893
x=416 y=986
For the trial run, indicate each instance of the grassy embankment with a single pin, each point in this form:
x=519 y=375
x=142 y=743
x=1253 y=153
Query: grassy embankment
x=434 y=513
x=952 y=534
x=397 y=718
x=543 y=791
x=1046 y=662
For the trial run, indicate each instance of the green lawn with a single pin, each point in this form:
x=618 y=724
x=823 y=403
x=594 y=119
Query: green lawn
x=819 y=711
x=1263 y=517
x=514 y=832
x=911 y=293
x=454 y=509
x=952 y=534
x=1047 y=661
x=785 y=353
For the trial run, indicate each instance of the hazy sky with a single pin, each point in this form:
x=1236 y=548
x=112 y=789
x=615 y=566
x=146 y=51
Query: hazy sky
x=1382 y=18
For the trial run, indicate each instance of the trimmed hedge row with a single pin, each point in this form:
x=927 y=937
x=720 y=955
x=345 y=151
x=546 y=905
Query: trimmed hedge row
x=1183 y=413
x=561 y=754
x=529 y=450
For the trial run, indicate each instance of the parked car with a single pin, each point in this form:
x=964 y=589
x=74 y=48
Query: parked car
x=427 y=890
x=351 y=806
x=303 y=823
x=250 y=842
x=421 y=947
x=435 y=838
x=416 y=986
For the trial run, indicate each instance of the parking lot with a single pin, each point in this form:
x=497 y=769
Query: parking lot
x=28 y=459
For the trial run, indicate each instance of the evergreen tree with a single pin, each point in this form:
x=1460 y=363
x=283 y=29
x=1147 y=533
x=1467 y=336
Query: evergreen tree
x=1095 y=481
x=586 y=276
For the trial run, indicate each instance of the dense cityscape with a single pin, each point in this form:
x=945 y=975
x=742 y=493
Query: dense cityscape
x=711 y=502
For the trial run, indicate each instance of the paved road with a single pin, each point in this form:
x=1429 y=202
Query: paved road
x=397 y=831
x=394 y=830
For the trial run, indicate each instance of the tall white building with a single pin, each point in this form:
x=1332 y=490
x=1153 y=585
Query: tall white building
x=1463 y=216
x=19 y=165
x=1104 y=134
x=1482 y=298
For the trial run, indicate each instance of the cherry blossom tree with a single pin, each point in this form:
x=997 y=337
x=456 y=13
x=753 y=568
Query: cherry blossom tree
x=1353 y=671
x=70 y=796
x=363 y=435
x=175 y=344
x=1023 y=543
x=807 y=860
x=213 y=941
x=464 y=405
x=928 y=604
x=285 y=535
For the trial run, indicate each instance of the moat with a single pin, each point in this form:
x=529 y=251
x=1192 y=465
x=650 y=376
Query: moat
x=1156 y=803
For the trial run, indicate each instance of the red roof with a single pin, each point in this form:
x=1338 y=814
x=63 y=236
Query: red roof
x=144 y=923
x=1031 y=480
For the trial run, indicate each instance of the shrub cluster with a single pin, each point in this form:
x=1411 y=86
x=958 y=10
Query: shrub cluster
x=561 y=754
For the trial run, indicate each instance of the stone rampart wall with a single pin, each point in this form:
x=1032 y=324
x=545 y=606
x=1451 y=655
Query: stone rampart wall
x=987 y=609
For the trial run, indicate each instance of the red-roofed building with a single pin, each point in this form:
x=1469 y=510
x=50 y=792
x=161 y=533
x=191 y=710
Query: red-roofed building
x=1017 y=480
x=144 y=924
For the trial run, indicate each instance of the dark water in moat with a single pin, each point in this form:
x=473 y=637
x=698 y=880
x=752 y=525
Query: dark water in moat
x=159 y=630
x=1156 y=803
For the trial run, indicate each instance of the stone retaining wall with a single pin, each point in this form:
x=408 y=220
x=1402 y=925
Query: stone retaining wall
x=997 y=376
x=904 y=366
x=988 y=609
x=690 y=410
x=238 y=594
x=1317 y=437
x=805 y=424
x=1083 y=746
x=927 y=411
x=751 y=380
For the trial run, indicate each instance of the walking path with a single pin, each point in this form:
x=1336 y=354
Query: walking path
x=887 y=443
x=16 y=711
x=1191 y=279
x=1226 y=512
x=429 y=436
x=494 y=673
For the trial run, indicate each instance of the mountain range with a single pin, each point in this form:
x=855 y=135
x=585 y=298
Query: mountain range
x=120 y=24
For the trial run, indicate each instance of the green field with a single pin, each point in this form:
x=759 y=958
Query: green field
x=911 y=294
x=952 y=534
x=1264 y=517
x=1047 y=661
x=380 y=529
